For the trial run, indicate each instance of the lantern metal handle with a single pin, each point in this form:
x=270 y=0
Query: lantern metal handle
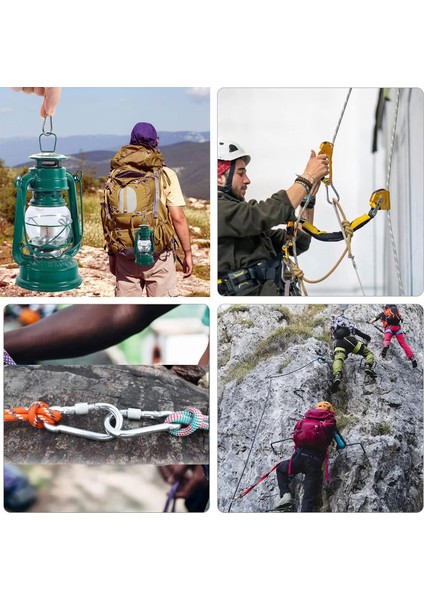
x=46 y=133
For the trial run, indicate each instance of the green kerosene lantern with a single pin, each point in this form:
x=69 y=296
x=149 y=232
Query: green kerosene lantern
x=48 y=232
x=144 y=245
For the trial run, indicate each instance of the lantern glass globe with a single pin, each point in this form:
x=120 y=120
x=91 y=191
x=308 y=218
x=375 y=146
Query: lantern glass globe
x=49 y=229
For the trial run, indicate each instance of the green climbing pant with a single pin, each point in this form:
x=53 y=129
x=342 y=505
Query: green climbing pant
x=347 y=346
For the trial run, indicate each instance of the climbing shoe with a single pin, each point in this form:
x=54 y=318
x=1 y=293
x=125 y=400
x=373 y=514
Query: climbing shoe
x=336 y=383
x=370 y=372
x=384 y=351
x=414 y=362
x=285 y=504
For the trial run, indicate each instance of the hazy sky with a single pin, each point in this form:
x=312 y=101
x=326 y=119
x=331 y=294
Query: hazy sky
x=106 y=110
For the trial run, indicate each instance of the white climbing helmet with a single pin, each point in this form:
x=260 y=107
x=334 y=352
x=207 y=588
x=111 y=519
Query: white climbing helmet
x=231 y=151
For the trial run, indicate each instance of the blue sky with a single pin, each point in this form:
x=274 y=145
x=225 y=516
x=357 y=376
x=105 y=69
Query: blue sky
x=106 y=110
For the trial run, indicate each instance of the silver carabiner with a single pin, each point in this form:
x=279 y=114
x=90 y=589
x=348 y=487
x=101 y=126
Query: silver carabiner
x=83 y=408
x=137 y=414
x=328 y=193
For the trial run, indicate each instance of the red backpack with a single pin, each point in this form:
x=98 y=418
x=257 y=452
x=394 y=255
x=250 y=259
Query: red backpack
x=315 y=430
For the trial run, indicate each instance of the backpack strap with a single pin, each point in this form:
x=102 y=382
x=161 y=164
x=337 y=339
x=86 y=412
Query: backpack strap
x=290 y=465
x=157 y=195
x=327 y=471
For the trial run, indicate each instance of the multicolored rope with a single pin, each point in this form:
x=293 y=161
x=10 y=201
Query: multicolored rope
x=192 y=417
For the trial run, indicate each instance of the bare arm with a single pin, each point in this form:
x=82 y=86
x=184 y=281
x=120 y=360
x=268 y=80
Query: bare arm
x=79 y=330
x=179 y=220
x=315 y=170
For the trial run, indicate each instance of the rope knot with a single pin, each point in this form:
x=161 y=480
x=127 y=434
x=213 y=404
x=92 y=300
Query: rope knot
x=297 y=271
x=192 y=417
x=36 y=414
x=347 y=226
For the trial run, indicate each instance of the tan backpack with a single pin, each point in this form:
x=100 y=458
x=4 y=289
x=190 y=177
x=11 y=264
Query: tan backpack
x=132 y=198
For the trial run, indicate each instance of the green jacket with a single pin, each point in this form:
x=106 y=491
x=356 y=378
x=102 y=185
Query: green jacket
x=244 y=230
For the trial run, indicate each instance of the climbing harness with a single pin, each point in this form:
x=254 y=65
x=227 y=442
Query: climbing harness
x=40 y=415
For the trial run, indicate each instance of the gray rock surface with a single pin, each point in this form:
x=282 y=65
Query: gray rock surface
x=274 y=362
x=147 y=388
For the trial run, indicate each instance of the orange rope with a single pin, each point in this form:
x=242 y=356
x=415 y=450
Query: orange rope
x=36 y=415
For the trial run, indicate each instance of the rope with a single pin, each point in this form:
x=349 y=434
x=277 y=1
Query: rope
x=345 y=227
x=192 y=417
x=36 y=414
x=256 y=433
x=171 y=500
x=347 y=234
x=342 y=115
x=388 y=175
x=251 y=448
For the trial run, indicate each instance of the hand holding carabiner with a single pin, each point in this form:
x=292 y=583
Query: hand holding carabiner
x=318 y=166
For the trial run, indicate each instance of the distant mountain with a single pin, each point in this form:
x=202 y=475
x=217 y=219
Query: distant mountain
x=191 y=161
x=15 y=151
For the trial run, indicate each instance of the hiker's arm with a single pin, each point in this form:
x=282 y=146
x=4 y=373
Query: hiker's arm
x=339 y=439
x=364 y=336
x=79 y=330
x=377 y=318
x=182 y=230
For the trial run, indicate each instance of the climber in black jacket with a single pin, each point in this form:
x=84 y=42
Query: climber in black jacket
x=345 y=342
x=312 y=435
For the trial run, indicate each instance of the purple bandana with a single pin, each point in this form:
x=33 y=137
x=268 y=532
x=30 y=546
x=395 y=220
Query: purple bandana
x=144 y=134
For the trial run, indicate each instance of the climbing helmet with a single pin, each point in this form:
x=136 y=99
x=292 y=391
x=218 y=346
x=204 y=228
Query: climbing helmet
x=325 y=406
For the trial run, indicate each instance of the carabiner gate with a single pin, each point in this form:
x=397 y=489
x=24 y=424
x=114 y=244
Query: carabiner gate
x=82 y=408
x=137 y=414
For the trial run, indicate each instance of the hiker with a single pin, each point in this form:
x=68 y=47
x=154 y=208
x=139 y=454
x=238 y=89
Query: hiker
x=345 y=343
x=142 y=191
x=312 y=435
x=249 y=250
x=392 y=319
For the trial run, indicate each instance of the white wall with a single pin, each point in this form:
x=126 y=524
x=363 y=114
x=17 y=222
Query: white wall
x=279 y=126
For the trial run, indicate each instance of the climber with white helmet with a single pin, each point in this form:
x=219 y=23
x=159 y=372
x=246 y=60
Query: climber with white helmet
x=312 y=436
x=343 y=332
x=249 y=250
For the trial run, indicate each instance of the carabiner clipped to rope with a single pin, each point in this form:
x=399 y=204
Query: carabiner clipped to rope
x=40 y=415
x=191 y=417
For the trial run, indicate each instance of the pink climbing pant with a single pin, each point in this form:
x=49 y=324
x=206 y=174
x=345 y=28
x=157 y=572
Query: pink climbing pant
x=394 y=330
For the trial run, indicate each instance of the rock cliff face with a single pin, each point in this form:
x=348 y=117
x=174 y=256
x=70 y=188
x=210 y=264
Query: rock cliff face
x=275 y=362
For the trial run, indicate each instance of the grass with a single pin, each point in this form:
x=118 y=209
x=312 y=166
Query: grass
x=298 y=327
x=239 y=308
x=383 y=428
x=199 y=218
x=238 y=372
x=93 y=231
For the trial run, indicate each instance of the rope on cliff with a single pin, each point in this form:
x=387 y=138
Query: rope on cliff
x=270 y=377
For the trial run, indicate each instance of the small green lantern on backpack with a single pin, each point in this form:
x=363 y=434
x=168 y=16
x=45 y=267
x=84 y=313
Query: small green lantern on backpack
x=144 y=245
